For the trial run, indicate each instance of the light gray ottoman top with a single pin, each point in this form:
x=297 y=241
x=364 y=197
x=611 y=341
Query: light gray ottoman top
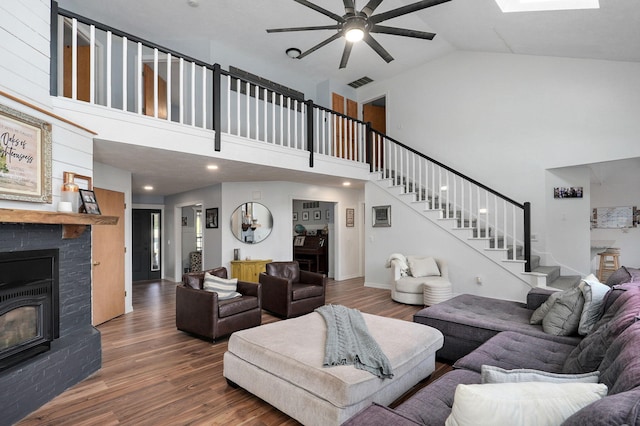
x=294 y=351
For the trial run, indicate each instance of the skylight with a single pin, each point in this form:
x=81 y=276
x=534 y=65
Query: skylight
x=542 y=5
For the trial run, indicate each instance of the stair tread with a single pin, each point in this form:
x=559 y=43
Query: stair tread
x=565 y=282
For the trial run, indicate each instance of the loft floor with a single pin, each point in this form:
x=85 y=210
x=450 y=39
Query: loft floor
x=154 y=374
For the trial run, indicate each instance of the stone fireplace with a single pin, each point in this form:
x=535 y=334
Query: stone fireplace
x=74 y=347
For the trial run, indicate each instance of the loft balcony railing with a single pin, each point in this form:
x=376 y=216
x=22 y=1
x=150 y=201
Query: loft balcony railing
x=100 y=65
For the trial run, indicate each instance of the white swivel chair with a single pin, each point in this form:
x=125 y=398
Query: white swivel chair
x=426 y=282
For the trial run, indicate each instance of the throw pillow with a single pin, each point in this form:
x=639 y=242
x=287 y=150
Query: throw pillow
x=539 y=314
x=593 y=292
x=492 y=374
x=523 y=404
x=423 y=266
x=564 y=316
x=226 y=288
x=620 y=276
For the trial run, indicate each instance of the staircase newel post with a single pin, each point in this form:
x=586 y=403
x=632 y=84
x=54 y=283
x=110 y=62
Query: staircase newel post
x=369 y=146
x=309 y=104
x=217 y=113
x=527 y=236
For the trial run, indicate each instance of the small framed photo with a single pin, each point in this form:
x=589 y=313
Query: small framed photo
x=305 y=215
x=381 y=216
x=351 y=218
x=211 y=218
x=298 y=241
x=295 y=216
x=327 y=214
x=317 y=215
x=89 y=201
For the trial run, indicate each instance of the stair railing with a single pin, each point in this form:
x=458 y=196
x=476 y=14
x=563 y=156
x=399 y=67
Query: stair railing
x=188 y=91
x=488 y=213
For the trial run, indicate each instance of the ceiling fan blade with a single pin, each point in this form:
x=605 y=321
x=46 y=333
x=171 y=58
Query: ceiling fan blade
x=378 y=48
x=321 y=27
x=371 y=7
x=349 y=6
x=345 y=54
x=414 y=7
x=321 y=10
x=381 y=29
x=319 y=45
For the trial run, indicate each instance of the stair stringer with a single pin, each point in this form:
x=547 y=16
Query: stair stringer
x=480 y=245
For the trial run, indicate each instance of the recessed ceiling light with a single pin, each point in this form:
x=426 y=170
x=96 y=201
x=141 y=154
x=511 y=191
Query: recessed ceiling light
x=542 y=5
x=346 y=183
x=212 y=167
x=148 y=188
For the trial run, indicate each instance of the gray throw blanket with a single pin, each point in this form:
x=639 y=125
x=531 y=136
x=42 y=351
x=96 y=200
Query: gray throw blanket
x=349 y=342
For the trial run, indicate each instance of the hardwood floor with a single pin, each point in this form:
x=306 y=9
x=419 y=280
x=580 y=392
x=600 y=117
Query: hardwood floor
x=154 y=374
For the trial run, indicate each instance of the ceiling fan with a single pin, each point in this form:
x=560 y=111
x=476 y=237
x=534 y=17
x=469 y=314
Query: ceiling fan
x=358 y=25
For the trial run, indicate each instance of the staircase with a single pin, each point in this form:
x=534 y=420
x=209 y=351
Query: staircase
x=481 y=234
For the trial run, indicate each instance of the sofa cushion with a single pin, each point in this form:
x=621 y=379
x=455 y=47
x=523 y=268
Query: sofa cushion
x=305 y=291
x=530 y=403
x=590 y=352
x=410 y=285
x=423 y=266
x=492 y=374
x=563 y=317
x=432 y=404
x=229 y=307
x=511 y=350
x=621 y=364
x=624 y=275
x=619 y=409
x=226 y=288
x=594 y=292
x=379 y=415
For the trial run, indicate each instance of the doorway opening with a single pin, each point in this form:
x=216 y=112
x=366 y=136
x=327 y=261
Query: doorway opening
x=313 y=235
x=147 y=232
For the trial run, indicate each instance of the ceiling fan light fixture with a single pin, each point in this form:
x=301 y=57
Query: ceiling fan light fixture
x=354 y=35
x=293 y=52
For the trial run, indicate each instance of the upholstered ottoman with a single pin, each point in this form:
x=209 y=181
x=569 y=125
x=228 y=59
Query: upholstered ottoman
x=281 y=363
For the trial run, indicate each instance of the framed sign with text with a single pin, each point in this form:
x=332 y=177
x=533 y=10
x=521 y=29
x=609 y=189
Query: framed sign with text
x=25 y=157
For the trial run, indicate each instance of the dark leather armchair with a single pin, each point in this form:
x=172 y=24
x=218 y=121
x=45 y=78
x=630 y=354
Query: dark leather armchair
x=201 y=313
x=291 y=292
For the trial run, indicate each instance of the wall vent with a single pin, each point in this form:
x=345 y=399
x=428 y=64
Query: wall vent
x=360 y=82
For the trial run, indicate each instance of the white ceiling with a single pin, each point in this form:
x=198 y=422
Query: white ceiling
x=232 y=32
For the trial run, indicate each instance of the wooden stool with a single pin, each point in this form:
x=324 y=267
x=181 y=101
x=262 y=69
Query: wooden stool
x=609 y=263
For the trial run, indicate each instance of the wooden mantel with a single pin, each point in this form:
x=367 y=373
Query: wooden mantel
x=73 y=224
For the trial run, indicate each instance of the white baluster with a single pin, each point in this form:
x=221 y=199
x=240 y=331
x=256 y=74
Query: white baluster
x=169 y=83
x=204 y=97
x=193 y=93
x=74 y=59
x=124 y=74
x=140 y=80
x=155 y=83
x=92 y=63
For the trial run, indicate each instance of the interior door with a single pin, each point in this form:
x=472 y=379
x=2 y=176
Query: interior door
x=108 y=251
x=377 y=116
x=149 y=107
x=146 y=244
x=343 y=131
x=82 y=72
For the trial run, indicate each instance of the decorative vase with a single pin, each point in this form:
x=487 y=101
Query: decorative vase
x=70 y=191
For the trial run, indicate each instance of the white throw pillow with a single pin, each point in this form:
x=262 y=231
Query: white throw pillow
x=423 y=266
x=522 y=404
x=492 y=374
x=226 y=288
x=593 y=291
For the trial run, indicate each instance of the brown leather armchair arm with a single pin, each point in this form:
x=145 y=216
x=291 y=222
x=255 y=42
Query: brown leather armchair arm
x=313 y=278
x=276 y=296
x=250 y=289
x=196 y=310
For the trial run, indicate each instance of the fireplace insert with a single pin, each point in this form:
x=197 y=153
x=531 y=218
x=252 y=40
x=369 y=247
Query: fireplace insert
x=29 y=311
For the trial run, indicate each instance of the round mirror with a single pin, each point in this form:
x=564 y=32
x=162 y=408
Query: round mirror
x=251 y=223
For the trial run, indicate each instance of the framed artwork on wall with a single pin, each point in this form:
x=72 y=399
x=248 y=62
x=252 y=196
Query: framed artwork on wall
x=25 y=157
x=381 y=216
x=305 y=215
x=211 y=218
x=351 y=218
x=295 y=216
x=317 y=215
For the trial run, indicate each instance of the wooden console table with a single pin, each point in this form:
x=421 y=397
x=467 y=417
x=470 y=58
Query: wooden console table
x=248 y=270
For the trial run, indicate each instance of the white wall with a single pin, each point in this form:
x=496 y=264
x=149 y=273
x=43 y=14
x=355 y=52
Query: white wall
x=111 y=178
x=504 y=119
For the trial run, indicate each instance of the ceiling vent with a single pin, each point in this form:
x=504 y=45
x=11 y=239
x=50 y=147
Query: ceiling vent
x=360 y=82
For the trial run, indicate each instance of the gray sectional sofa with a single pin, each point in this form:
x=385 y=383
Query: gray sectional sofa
x=488 y=332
